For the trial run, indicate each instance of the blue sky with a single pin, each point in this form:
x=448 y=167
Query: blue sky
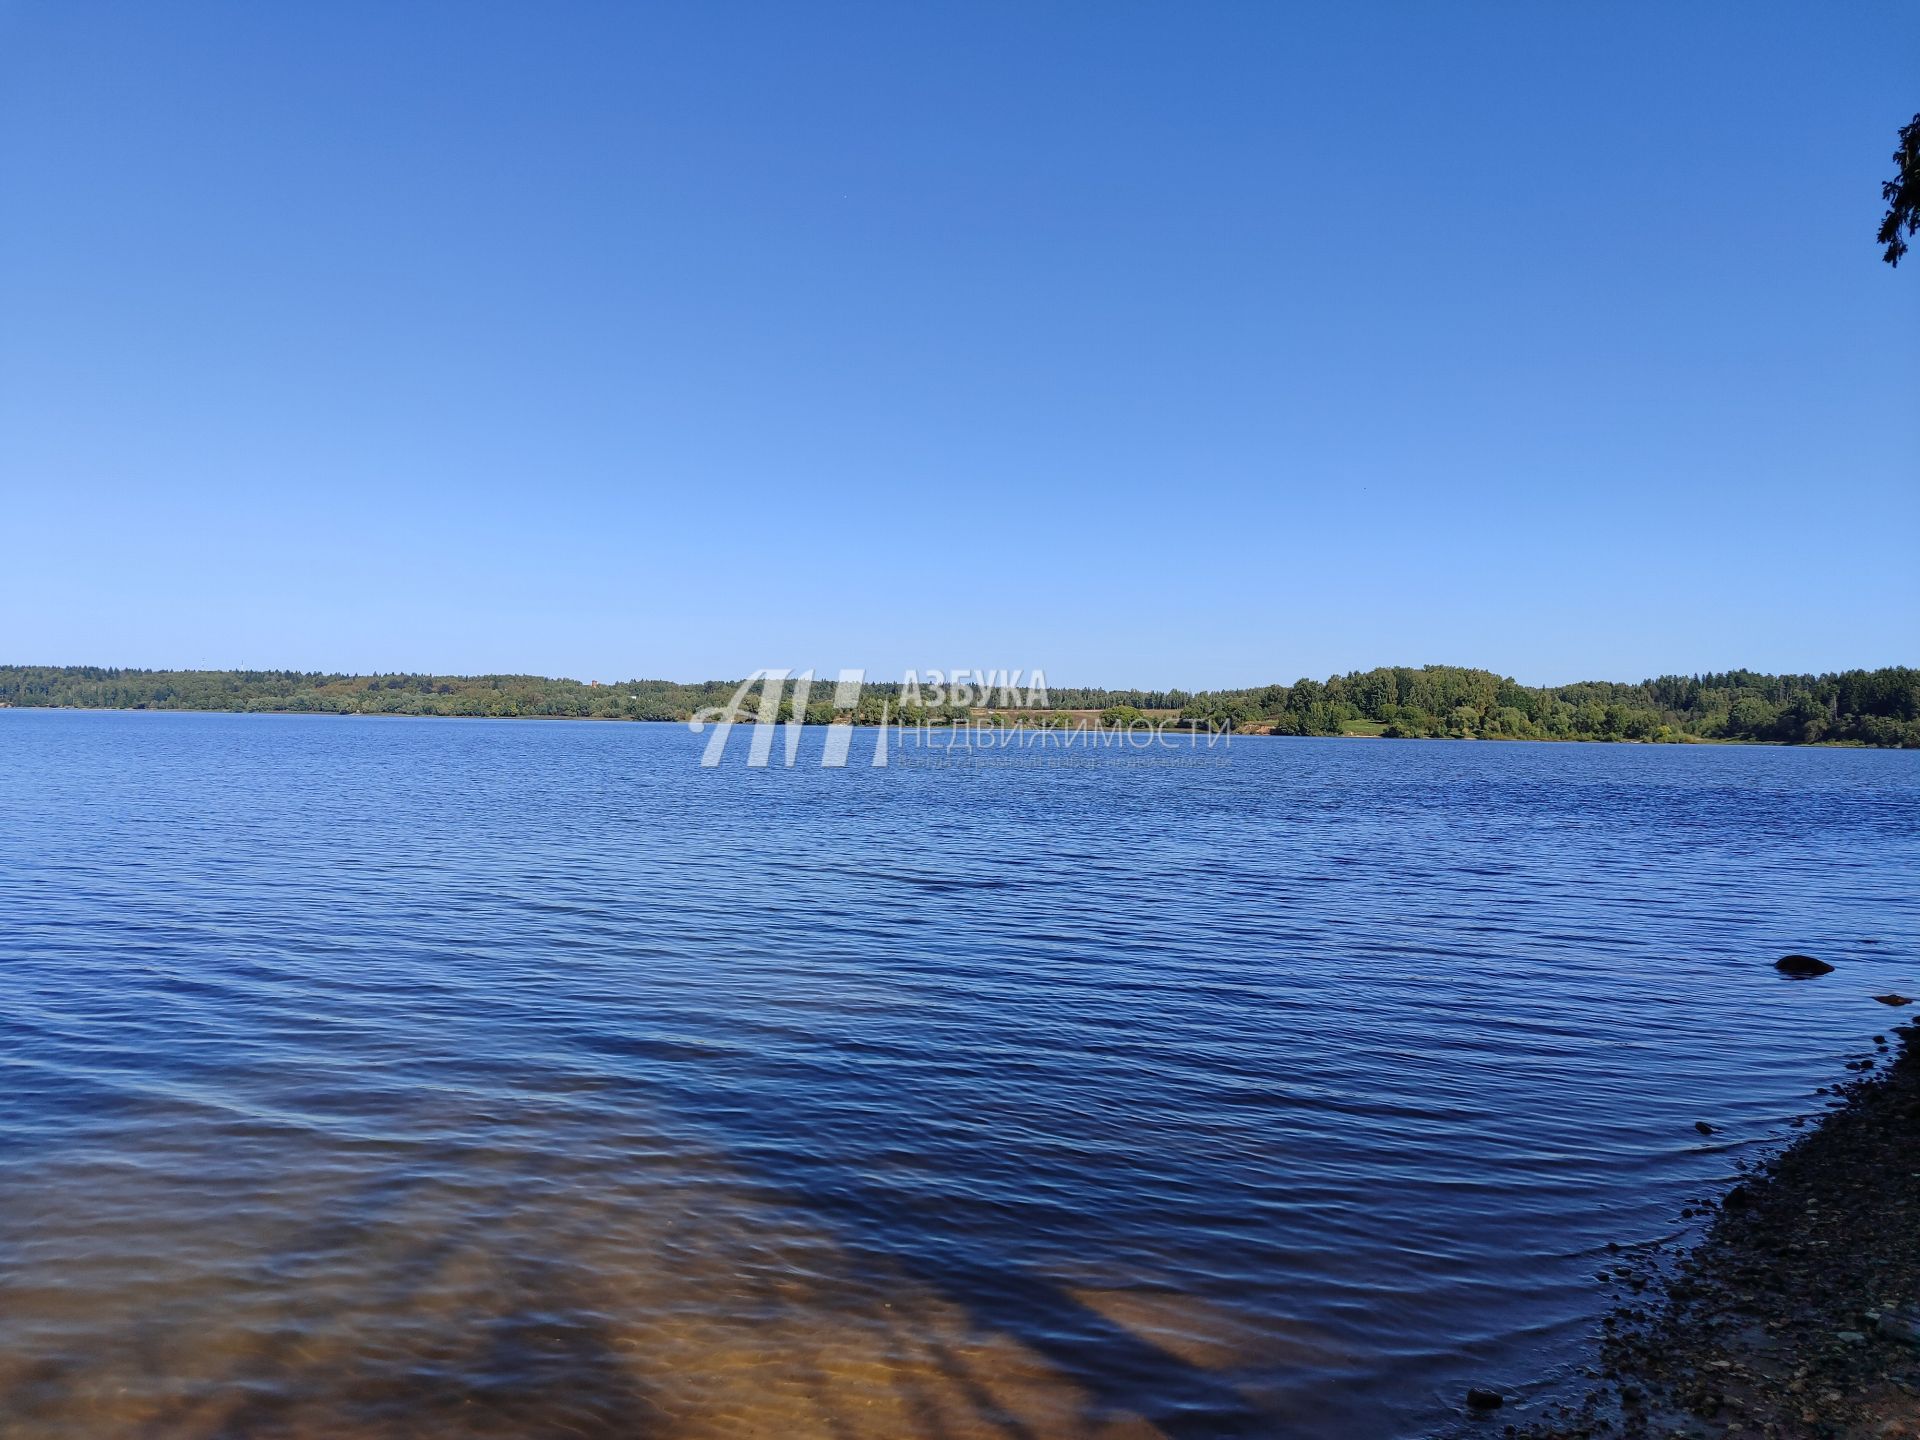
x=1146 y=344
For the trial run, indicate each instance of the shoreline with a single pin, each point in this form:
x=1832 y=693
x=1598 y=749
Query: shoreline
x=1249 y=734
x=1797 y=1313
x=1875 y=709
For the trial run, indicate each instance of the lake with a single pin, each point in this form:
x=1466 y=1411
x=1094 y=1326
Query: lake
x=467 y=1078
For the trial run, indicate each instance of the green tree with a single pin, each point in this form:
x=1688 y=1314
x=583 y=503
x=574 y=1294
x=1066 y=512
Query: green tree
x=1751 y=718
x=1902 y=194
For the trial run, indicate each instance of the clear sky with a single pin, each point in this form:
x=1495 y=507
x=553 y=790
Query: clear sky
x=1171 y=344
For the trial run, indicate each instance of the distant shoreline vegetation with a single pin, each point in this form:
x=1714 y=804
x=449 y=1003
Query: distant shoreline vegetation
x=1859 y=707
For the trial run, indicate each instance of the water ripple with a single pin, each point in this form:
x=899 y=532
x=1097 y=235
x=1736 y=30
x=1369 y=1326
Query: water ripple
x=400 y=1078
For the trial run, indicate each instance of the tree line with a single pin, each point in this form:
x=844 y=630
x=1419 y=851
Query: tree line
x=1864 y=707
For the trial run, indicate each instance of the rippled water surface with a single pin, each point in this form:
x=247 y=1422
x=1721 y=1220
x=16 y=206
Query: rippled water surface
x=446 y=1078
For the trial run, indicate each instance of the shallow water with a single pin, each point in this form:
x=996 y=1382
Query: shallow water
x=380 y=1078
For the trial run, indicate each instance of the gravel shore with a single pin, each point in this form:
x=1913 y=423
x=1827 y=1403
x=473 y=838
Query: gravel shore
x=1798 y=1313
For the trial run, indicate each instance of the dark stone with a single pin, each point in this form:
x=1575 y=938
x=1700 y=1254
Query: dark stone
x=1900 y=1326
x=1802 y=966
x=1703 y=1127
x=1481 y=1398
x=1737 y=1199
x=1894 y=999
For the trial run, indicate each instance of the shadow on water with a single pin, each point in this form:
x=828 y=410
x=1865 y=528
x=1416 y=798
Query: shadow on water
x=536 y=1359
x=1120 y=1371
x=391 y=1315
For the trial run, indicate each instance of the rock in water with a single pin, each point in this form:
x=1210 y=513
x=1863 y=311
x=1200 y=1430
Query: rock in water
x=1703 y=1127
x=1802 y=966
x=1481 y=1398
x=1894 y=999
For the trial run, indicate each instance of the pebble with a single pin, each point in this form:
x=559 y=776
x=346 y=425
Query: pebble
x=1901 y=1325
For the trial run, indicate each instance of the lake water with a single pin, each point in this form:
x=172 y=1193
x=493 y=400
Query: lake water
x=461 y=1078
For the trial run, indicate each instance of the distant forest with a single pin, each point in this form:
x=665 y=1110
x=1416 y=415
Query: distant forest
x=1862 y=707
